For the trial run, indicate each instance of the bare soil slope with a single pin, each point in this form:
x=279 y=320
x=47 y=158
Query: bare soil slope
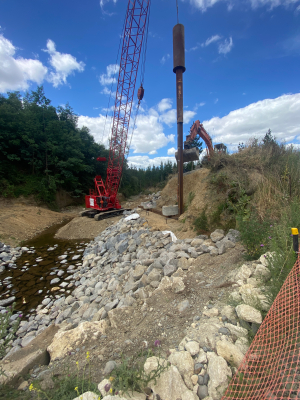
x=21 y=219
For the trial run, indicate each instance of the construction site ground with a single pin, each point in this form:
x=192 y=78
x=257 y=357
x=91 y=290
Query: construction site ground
x=22 y=219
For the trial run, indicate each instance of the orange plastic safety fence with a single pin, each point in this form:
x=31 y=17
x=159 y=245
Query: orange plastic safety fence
x=270 y=369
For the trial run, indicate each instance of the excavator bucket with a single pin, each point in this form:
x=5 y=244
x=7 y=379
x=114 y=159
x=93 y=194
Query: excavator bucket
x=189 y=154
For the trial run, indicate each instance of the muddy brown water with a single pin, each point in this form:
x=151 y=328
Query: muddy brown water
x=30 y=281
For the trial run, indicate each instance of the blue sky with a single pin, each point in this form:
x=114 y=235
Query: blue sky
x=242 y=66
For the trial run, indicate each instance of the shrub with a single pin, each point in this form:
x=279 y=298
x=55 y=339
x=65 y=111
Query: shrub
x=201 y=222
x=255 y=234
x=130 y=376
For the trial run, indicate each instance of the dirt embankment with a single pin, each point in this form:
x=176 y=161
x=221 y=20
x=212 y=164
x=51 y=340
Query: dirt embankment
x=22 y=219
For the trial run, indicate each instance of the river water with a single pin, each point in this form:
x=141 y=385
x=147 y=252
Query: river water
x=30 y=281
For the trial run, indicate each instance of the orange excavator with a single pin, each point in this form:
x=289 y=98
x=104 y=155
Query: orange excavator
x=192 y=153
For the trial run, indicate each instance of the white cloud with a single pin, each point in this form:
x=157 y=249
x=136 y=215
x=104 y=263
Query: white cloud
x=188 y=116
x=170 y=117
x=281 y=115
x=226 y=46
x=171 y=151
x=210 y=40
x=102 y=4
x=63 y=65
x=216 y=101
x=164 y=104
x=164 y=59
x=297 y=9
x=149 y=134
x=17 y=73
x=145 y=161
x=199 y=105
x=203 y=5
x=109 y=77
x=99 y=129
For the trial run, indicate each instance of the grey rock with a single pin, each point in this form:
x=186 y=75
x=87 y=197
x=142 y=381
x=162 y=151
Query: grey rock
x=233 y=235
x=53 y=281
x=111 y=305
x=109 y=367
x=131 y=286
x=169 y=270
x=183 y=305
x=224 y=331
x=205 y=379
x=8 y=301
x=200 y=380
x=202 y=391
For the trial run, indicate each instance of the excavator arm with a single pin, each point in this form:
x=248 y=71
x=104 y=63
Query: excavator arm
x=198 y=129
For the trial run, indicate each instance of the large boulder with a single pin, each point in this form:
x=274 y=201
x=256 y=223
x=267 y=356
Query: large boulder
x=229 y=352
x=219 y=375
x=185 y=365
x=248 y=313
x=66 y=341
x=169 y=386
x=217 y=235
x=21 y=361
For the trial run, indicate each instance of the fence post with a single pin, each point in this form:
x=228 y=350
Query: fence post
x=295 y=239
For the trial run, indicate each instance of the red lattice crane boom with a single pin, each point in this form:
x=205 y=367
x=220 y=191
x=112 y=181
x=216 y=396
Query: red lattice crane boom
x=104 y=196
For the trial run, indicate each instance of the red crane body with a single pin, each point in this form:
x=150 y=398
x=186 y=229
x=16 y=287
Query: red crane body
x=104 y=196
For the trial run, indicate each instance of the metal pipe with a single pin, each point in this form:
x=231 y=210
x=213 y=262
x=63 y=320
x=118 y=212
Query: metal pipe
x=179 y=101
x=178 y=69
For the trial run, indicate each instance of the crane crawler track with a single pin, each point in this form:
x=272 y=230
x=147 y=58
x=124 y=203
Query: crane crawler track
x=102 y=215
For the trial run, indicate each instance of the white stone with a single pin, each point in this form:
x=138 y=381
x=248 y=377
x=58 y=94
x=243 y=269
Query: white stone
x=262 y=272
x=248 y=313
x=243 y=273
x=219 y=375
x=238 y=331
x=242 y=344
x=202 y=357
x=212 y=312
x=230 y=352
x=264 y=259
x=178 y=285
x=66 y=341
x=229 y=312
x=192 y=347
x=185 y=364
x=170 y=386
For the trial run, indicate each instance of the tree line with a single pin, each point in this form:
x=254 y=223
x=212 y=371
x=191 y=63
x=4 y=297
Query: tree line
x=42 y=149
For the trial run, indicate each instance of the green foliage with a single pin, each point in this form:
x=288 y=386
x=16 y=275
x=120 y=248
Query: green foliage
x=191 y=197
x=283 y=257
x=201 y=222
x=255 y=234
x=130 y=376
x=6 y=333
x=42 y=149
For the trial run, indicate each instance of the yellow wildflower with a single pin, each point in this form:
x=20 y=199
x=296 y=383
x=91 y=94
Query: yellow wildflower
x=111 y=378
x=31 y=388
x=76 y=362
x=110 y=390
x=76 y=389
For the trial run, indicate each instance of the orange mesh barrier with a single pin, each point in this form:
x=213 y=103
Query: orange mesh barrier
x=270 y=369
